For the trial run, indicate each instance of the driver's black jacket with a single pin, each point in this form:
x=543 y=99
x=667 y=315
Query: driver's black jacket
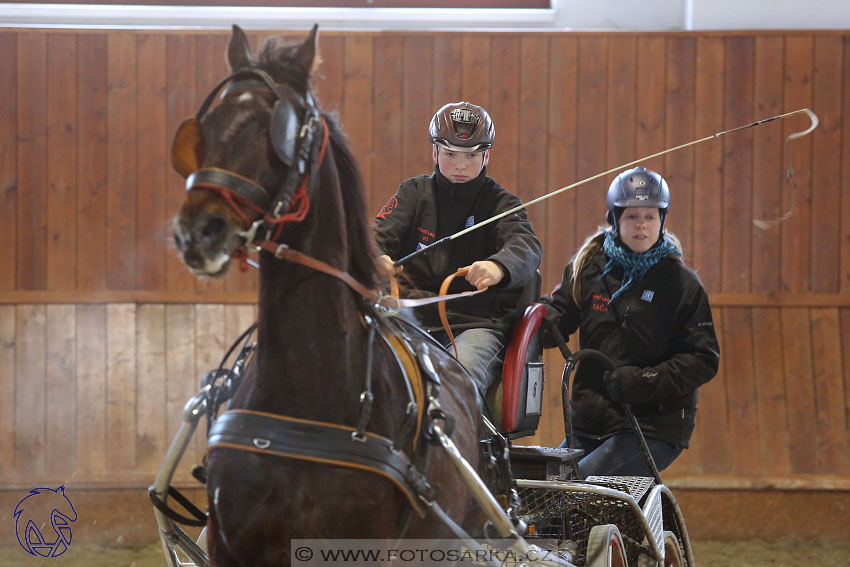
x=410 y=221
x=661 y=326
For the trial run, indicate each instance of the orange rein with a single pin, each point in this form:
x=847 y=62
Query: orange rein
x=441 y=307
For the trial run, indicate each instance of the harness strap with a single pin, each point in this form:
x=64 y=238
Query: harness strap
x=316 y=441
x=284 y=252
x=413 y=378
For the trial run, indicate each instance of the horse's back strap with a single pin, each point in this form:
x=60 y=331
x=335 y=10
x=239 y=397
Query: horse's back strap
x=316 y=441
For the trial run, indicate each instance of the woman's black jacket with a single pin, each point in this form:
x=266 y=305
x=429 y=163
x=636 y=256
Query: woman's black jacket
x=662 y=325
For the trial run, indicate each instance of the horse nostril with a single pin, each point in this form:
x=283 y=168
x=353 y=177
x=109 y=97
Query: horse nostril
x=213 y=228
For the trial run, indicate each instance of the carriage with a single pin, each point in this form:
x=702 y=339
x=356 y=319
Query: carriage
x=389 y=428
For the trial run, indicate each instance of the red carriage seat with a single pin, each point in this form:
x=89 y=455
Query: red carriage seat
x=516 y=400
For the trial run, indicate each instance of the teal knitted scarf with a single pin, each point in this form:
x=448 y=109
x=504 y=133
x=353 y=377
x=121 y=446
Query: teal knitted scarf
x=634 y=265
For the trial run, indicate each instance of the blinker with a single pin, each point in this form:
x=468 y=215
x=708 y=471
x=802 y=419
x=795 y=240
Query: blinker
x=188 y=148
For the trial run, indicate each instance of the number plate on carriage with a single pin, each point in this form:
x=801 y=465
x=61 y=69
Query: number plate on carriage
x=534 y=396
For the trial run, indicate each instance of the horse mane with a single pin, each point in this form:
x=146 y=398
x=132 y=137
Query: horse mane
x=363 y=250
x=280 y=60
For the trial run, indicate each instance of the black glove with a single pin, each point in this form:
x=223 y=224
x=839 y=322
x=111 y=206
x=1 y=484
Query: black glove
x=544 y=334
x=614 y=381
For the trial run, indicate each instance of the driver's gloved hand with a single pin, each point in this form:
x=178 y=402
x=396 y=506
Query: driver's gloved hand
x=545 y=334
x=614 y=380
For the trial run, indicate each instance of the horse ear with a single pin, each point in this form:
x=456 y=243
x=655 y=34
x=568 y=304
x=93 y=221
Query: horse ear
x=307 y=51
x=238 y=50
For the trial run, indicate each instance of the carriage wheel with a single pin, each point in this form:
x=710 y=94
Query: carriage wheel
x=605 y=547
x=672 y=550
x=673 y=556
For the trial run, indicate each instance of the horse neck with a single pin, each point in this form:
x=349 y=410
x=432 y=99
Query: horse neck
x=310 y=326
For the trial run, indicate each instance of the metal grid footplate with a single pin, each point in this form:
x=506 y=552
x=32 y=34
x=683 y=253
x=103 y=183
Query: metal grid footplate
x=566 y=511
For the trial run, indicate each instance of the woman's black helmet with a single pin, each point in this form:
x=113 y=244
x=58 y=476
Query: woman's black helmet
x=462 y=127
x=637 y=187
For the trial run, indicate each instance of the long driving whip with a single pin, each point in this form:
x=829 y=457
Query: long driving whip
x=759 y=223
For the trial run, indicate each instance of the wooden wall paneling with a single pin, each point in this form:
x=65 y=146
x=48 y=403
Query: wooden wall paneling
x=476 y=80
x=91 y=161
x=532 y=125
x=844 y=318
x=826 y=164
x=767 y=164
x=561 y=238
x=832 y=451
x=796 y=230
x=328 y=78
x=650 y=94
x=621 y=103
x=708 y=160
x=151 y=442
x=61 y=161
x=60 y=388
x=418 y=74
x=679 y=129
x=121 y=367
x=844 y=181
x=505 y=66
x=737 y=165
x=388 y=119
x=91 y=390
x=8 y=159
x=182 y=380
x=30 y=385
x=711 y=438
x=211 y=344
x=592 y=113
x=678 y=168
x=182 y=101
x=8 y=322
x=447 y=79
x=770 y=392
x=741 y=390
x=800 y=389
x=357 y=107
x=121 y=162
x=152 y=234
x=237 y=319
x=31 y=238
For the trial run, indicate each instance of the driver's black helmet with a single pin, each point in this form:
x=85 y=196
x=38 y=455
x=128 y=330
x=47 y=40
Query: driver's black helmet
x=637 y=187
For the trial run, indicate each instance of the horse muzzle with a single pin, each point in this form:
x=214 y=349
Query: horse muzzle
x=206 y=244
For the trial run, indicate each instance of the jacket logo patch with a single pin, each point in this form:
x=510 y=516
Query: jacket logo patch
x=647 y=296
x=388 y=208
x=427 y=235
x=600 y=302
x=469 y=222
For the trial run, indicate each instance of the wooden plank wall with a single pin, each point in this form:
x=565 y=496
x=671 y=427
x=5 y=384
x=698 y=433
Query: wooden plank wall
x=104 y=334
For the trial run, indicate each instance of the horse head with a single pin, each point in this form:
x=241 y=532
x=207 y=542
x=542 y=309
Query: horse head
x=245 y=158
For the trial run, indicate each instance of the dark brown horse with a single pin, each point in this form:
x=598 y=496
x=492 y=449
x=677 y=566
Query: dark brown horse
x=310 y=361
